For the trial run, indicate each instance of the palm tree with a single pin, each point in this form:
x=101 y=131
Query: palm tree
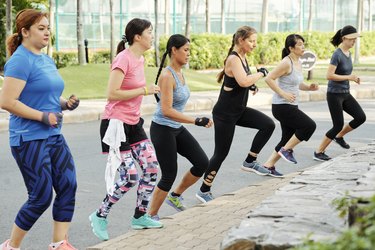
x=222 y=17
x=81 y=49
x=112 y=32
x=309 y=26
x=334 y=14
x=51 y=25
x=8 y=13
x=264 y=22
x=156 y=39
x=208 y=21
x=188 y=7
x=300 y=16
x=369 y=15
x=166 y=18
x=359 y=28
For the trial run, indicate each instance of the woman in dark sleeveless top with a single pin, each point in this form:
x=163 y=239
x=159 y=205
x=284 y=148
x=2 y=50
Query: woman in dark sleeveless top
x=230 y=110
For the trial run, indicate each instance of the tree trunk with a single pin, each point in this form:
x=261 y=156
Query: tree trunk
x=369 y=15
x=222 y=16
x=359 y=28
x=51 y=26
x=112 y=30
x=8 y=13
x=309 y=27
x=166 y=18
x=264 y=22
x=81 y=49
x=334 y=15
x=208 y=18
x=187 y=29
x=300 y=16
x=156 y=30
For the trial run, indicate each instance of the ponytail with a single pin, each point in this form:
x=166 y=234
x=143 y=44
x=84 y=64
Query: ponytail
x=336 y=39
x=220 y=76
x=285 y=52
x=13 y=42
x=120 y=47
x=159 y=72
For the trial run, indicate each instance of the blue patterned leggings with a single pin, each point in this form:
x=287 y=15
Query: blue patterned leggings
x=46 y=165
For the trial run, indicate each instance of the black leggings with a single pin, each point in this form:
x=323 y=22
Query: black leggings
x=337 y=103
x=224 y=132
x=170 y=141
x=292 y=121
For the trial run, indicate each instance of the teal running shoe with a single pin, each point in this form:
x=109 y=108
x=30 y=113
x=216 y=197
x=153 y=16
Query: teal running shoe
x=99 y=226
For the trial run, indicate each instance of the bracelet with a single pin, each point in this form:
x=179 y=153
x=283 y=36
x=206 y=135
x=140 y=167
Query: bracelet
x=145 y=89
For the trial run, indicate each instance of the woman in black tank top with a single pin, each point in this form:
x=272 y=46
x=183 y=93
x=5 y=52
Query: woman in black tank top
x=231 y=110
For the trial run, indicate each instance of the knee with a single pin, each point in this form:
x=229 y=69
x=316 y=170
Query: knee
x=166 y=182
x=41 y=204
x=361 y=119
x=199 y=169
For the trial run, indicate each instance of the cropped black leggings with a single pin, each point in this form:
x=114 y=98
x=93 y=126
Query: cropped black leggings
x=224 y=132
x=170 y=141
x=292 y=121
x=337 y=103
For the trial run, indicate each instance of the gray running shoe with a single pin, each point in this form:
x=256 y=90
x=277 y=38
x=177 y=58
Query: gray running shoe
x=204 y=197
x=255 y=167
x=321 y=156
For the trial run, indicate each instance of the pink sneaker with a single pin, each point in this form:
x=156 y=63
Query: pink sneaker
x=64 y=246
x=5 y=246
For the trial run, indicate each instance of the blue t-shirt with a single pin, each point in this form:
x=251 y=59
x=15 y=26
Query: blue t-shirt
x=181 y=95
x=344 y=66
x=42 y=92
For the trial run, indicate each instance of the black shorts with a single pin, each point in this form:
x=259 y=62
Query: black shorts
x=134 y=133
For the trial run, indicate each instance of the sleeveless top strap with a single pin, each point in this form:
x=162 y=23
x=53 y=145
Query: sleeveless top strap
x=178 y=82
x=245 y=66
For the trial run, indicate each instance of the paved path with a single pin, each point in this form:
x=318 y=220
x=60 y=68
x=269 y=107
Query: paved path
x=202 y=227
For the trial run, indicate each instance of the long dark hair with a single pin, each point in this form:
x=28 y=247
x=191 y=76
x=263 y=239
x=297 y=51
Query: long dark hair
x=242 y=32
x=176 y=41
x=24 y=19
x=136 y=26
x=290 y=41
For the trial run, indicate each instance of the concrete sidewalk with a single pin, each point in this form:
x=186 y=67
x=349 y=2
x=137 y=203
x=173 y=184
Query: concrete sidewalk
x=91 y=110
x=201 y=227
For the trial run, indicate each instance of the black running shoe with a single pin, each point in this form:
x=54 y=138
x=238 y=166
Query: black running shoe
x=321 y=157
x=341 y=142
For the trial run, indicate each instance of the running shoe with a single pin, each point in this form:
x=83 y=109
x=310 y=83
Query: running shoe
x=204 y=196
x=255 y=167
x=99 y=226
x=321 y=156
x=287 y=154
x=5 y=245
x=275 y=173
x=341 y=142
x=145 y=222
x=64 y=246
x=176 y=202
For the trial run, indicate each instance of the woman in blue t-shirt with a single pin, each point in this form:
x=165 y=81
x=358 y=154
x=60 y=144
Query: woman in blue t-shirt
x=339 y=99
x=31 y=93
x=168 y=134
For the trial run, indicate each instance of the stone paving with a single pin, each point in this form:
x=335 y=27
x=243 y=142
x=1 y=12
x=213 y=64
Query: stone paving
x=304 y=206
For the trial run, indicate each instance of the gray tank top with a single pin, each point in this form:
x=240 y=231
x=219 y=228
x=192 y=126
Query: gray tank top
x=289 y=83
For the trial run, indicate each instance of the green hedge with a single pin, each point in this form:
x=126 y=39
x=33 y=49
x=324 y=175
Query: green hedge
x=208 y=51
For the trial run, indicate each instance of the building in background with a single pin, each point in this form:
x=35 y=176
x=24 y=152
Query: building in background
x=283 y=16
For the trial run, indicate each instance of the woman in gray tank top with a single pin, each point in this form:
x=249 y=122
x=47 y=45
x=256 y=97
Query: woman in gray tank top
x=286 y=80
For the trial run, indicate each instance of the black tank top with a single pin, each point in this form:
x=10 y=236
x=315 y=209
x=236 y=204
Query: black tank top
x=231 y=104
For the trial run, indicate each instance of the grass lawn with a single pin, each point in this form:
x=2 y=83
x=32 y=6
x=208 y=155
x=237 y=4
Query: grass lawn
x=90 y=81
